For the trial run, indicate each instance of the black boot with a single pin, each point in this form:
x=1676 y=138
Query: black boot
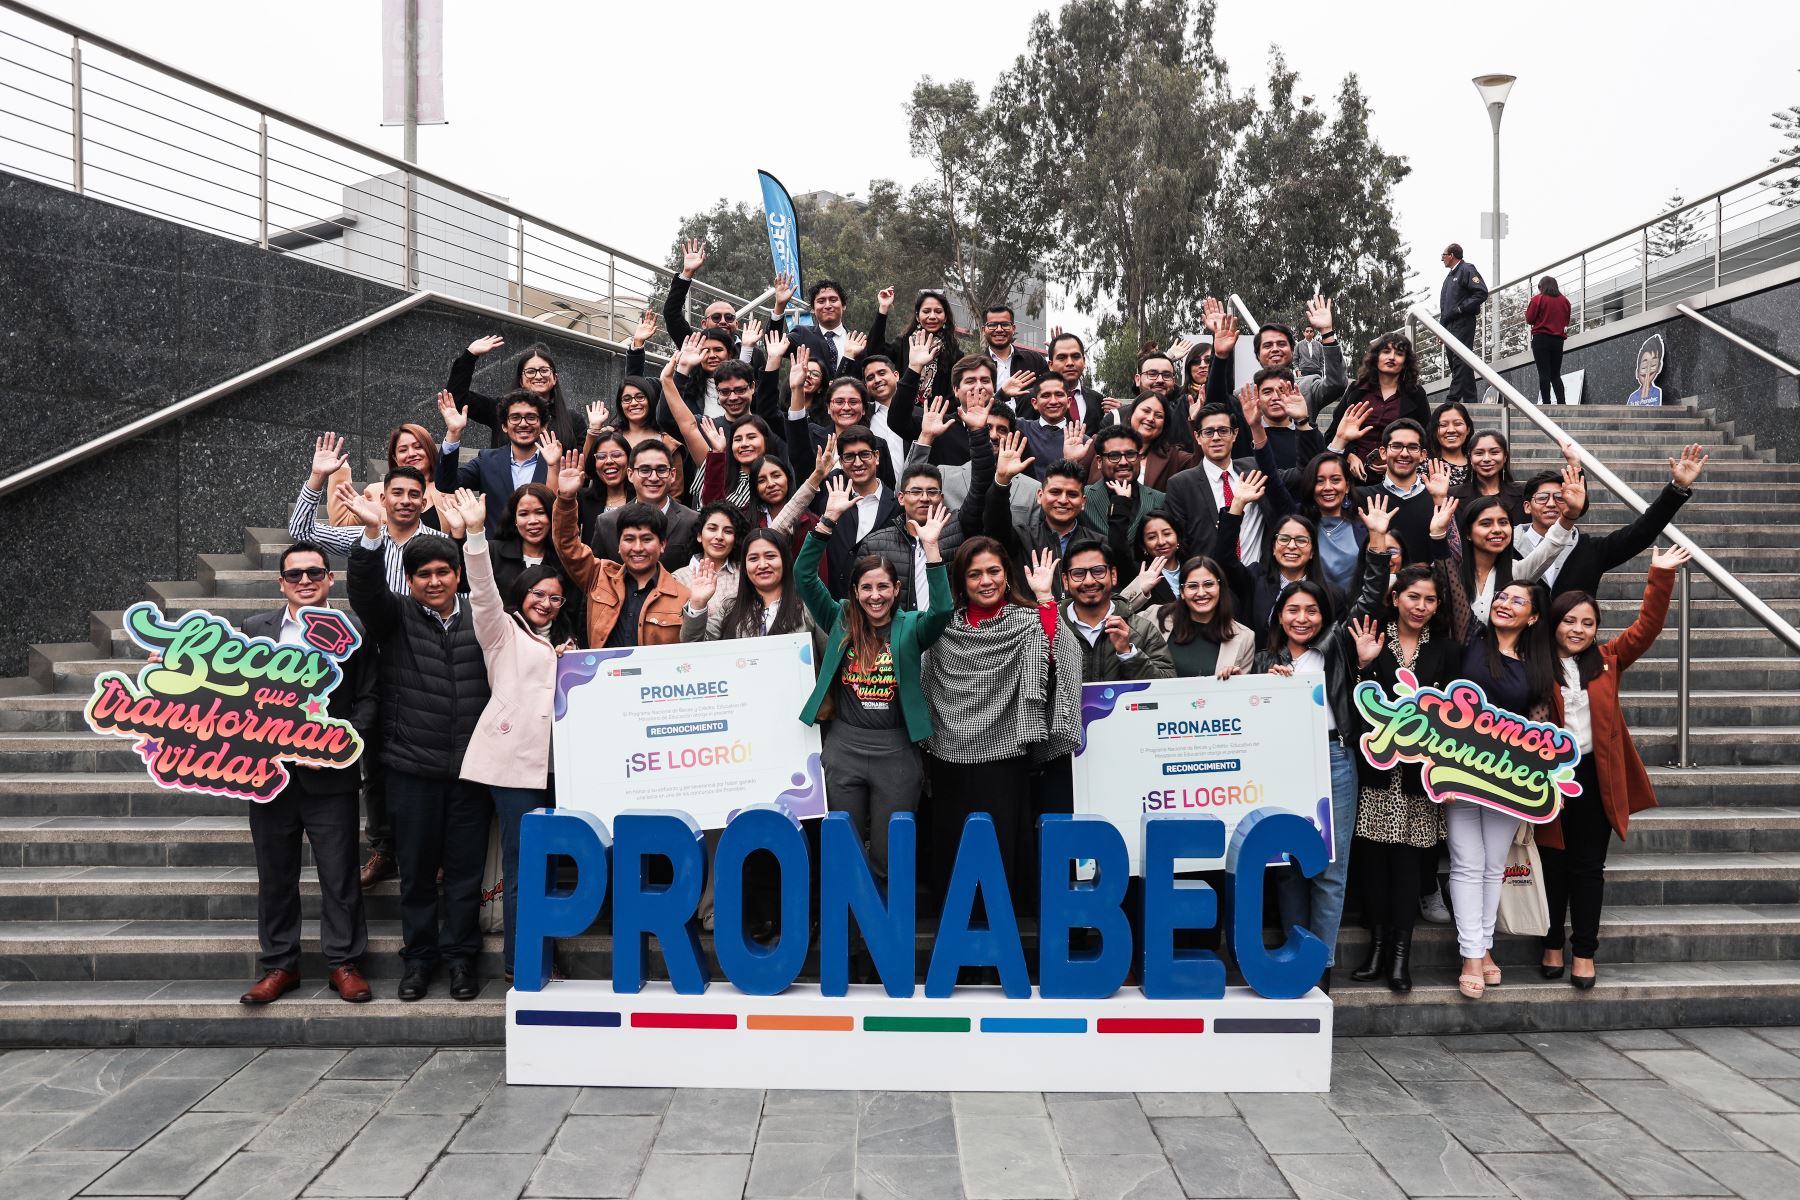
x=1378 y=955
x=1399 y=971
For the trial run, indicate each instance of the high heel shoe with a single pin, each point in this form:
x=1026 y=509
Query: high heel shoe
x=1376 y=966
x=1551 y=972
x=1584 y=982
x=1399 y=972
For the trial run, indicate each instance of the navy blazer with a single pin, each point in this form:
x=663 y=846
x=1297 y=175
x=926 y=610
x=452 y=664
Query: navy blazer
x=490 y=473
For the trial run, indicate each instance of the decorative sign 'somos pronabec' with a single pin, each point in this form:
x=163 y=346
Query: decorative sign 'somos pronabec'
x=221 y=712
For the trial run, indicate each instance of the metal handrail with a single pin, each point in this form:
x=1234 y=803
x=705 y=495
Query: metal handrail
x=1728 y=583
x=1737 y=339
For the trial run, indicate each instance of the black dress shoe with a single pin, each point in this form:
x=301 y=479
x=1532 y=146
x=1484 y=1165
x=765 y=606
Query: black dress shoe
x=1399 y=966
x=1584 y=982
x=416 y=982
x=465 y=984
x=1376 y=966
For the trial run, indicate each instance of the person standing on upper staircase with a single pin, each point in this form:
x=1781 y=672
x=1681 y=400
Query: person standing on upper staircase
x=1459 y=301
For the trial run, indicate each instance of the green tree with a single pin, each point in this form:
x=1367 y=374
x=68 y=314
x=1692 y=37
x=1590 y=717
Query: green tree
x=1675 y=232
x=1786 y=123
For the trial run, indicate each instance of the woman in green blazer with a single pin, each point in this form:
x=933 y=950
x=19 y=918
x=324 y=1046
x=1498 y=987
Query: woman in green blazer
x=869 y=677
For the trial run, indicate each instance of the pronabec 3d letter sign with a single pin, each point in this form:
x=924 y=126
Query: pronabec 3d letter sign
x=1078 y=1029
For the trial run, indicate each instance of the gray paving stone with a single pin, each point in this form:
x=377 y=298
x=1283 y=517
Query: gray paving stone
x=1359 y=1085
x=21 y=1133
x=998 y=1104
x=1004 y=1158
x=379 y=1089
x=622 y=1102
x=1533 y=1084
x=178 y=1160
x=1786 y=1088
x=1114 y=1125
x=218 y=1063
x=1423 y=1157
x=1753 y=1176
x=822 y=1170
x=1548 y=1176
x=807 y=1128
x=272 y=1082
x=1294 y=1124
x=1785 y=1036
x=792 y=1100
x=1583 y=1056
x=35 y=1064
x=1186 y=1104
x=380 y=1062
x=1218 y=1157
x=88 y=1080
x=1642 y=1039
x=388 y=1157
x=1777 y=1131
x=481 y=1177
x=594 y=1156
x=906 y=1123
x=1337 y=1177
x=1633 y=1160
x=454 y=1081
x=248 y=1176
x=1710 y=1082
x=1123 y=1177
x=315 y=1126
x=515 y=1120
x=56 y=1174
x=1744 y=1053
x=908 y=1177
x=685 y=1176
x=132 y=1117
x=711 y=1121
x=1671 y=1116
x=1410 y=1058
x=1478 y=1043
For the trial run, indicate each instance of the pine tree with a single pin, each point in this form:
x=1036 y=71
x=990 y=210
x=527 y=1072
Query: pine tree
x=1786 y=122
x=1675 y=232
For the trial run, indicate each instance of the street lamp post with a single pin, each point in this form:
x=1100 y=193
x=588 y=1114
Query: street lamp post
x=1494 y=89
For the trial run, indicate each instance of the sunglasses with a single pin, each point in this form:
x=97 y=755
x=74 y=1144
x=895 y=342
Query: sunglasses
x=311 y=574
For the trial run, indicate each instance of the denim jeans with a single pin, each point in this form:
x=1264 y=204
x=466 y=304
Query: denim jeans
x=510 y=807
x=1318 y=903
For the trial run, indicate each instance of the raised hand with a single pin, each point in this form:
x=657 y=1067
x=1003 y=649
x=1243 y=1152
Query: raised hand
x=1378 y=515
x=775 y=348
x=451 y=520
x=1183 y=347
x=1118 y=632
x=838 y=498
x=1248 y=491
x=1442 y=513
x=975 y=414
x=1354 y=422
x=1295 y=402
x=824 y=461
x=854 y=344
x=1120 y=488
x=569 y=476
x=934 y=418
x=455 y=419
x=646 y=329
x=1368 y=637
x=1574 y=490
x=1211 y=313
x=1153 y=570
x=1250 y=404
x=715 y=437
x=693 y=256
x=328 y=458
x=1018 y=383
x=752 y=332
x=703 y=583
x=784 y=290
x=1686 y=469
x=1078 y=447
x=471 y=506
x=884 y=299
x=688 y=357
x=484 y=345
x=1225 y=335
x=1009 y=459
x=932 y=527
x=368 y=511
x=1040 y=575
x=921 y=348
x=1672 y=559
x=1318 y=314
x=1358 y=470
x=596 y=415
x=797 y=375
x=1437 y=479
x=550 y=448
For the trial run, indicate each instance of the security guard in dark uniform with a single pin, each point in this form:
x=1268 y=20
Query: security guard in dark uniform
x=1459 y=300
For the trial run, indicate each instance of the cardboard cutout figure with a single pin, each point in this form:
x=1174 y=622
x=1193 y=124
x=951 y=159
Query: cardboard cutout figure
x=1649 y=366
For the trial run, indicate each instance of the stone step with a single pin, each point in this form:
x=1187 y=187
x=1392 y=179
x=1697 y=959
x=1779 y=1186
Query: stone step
x=1737 y=829
x=1710 y=877
x=1604 y=514
x=1771 y=670
x=1769 y=586
x=215 y=841
x=1723 y=745
x=104 y=794
x=70 y=753
x=1648 y=470
x=1727 y=786
x=1596 y=438
x=211 y=893
x=1762 y=710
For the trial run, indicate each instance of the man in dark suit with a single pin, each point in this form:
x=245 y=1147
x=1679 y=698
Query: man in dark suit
x=1197 y=495
x=499 y=472
x=875 y=507
x=825 y=337
x=1068 y=358
x=1460 y=298
x=1588 y=557
x=1010 y=358
x=652 y=473
x=317 y=801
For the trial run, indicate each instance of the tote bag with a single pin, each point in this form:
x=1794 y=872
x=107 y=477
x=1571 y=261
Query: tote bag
x=1523 y=909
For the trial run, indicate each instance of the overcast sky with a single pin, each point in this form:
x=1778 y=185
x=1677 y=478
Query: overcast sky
x=617 y=118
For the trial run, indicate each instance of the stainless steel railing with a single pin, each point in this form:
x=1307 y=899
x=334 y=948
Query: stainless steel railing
x=83 y=111
x=1727 y=582
x=1736 y=339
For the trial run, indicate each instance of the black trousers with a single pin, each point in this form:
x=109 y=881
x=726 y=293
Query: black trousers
x=439 y=823
x=959 y=790
x=1462 y=376
x=376 y=826
x=1546 y=352
x=1575 y=876
x=1386 y=878
x=328 y=821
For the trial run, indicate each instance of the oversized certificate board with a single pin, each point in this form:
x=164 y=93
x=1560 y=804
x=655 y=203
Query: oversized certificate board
x=705 y=728
x=1218 y=748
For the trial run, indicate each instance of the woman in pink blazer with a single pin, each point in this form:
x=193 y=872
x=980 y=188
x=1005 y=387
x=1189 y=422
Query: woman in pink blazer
x=521 y=638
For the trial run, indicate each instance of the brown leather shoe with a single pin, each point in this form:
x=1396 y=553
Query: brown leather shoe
x=349 y=984
x=379 y=867
x=271 y=987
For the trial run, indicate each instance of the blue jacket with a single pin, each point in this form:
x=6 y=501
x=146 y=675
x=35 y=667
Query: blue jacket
x=1462 y=294
x=490 y=473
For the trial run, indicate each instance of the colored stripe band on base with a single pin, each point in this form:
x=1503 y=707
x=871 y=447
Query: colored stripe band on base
x=670 y=1020
x=557 y=1016
x=1266 y=1025
x=1034 y=1025
x=1150 y=1025
x=915 y=1024
x=817 y=1024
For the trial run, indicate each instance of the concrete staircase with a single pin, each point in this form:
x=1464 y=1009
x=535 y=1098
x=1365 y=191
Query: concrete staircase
x=127 y=914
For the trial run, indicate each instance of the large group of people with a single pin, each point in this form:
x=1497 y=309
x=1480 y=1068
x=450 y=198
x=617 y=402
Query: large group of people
x=969 y=534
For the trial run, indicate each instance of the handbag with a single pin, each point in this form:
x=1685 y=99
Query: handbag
x=1524 y=910
x=493 y=885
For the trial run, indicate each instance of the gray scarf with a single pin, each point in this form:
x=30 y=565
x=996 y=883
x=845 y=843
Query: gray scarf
x=992 y=691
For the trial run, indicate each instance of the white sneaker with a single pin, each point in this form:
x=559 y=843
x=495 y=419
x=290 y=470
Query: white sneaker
x=1432 y=908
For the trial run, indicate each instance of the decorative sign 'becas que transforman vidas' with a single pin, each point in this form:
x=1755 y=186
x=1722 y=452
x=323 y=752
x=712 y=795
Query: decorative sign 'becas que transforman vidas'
x=1468 y=748
x=221 y=712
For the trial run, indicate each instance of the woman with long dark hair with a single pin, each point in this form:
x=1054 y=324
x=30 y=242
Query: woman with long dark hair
x=1323 y=495
x=1613 y=781
x=1156 y=550
x=931 y=316
x=1388 y=381
x=1548 y=316
x=767 y=600
x=1203 y=638
x=1490 y=474
x=1292 y=555
x=1447 y=438
x=533 y=371
x=523 y=541
x=717 y=535
x=607 y=465
x=1150 y=415
x=1489 y=560
x=408 y=445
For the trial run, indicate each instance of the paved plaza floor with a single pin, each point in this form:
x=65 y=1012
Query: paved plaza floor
x=1698 y=1112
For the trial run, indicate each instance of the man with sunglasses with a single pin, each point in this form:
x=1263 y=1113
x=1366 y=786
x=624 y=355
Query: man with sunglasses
x=997 y=329
x=499 y=472
x=652 y=478
x=319 y=802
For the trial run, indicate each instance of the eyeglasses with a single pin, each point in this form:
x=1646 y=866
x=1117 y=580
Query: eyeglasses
x=857 y=456
x=1292 y=539
x=523 y=419
x=310 y=574
x=1405 y=448
x=1547 y=498
x=656 y=472
x=1216 y=433
x=1119 y=455
x=1078 y=573
x=536 y=373
x=1157 y=374
x=998 y=325
x=550 y=598
x=922 y=494
x=736 y=393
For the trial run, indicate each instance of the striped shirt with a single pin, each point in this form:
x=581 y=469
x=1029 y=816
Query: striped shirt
x=305 y=526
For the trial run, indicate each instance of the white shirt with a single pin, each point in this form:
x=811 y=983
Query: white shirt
x=1312 y=662
x=835 y=339
x=896 y=448
x=292 y=632
x=921 y=584
x=1250 y=532
x=1527 y=539
x=1578 y=717
x=866 y=507
x=1002 y=366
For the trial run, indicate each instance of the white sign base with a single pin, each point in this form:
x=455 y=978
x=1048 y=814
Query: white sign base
x=582 y=1033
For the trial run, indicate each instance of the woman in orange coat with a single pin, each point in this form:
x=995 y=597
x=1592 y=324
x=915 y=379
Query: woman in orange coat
x=1613 y=781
